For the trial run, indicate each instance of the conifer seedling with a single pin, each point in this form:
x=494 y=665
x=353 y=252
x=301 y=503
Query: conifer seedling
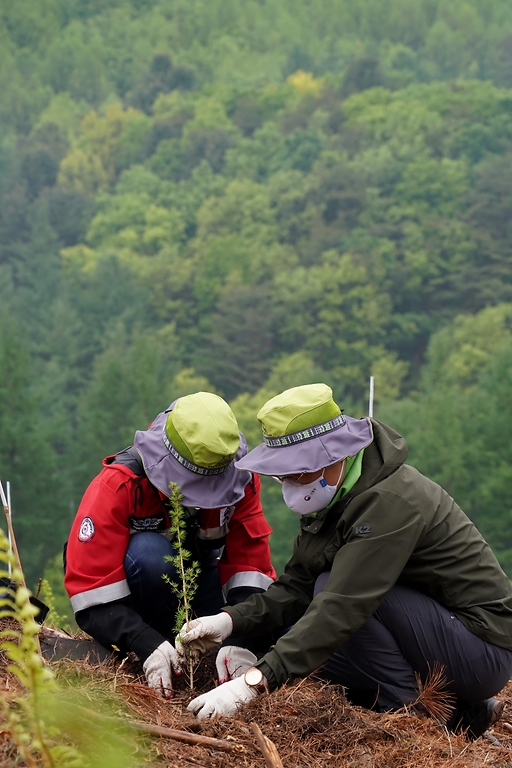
x=185 y=586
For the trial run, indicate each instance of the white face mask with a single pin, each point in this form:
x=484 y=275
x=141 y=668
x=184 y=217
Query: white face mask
x=311 y=497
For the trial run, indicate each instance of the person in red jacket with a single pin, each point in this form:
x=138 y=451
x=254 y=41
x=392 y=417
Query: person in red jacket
x=121 y=535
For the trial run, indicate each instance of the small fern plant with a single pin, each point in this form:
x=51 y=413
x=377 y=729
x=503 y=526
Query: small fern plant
x=50 y=725
x=25 y=715
x=185 y=587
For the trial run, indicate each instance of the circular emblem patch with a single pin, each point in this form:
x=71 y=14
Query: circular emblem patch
x=87 y=529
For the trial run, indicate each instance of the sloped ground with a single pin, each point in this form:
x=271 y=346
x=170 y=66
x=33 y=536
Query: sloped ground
x=310 y=723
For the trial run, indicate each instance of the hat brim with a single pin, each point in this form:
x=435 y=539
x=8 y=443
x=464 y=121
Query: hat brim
x=204 y=491
x=312 y=454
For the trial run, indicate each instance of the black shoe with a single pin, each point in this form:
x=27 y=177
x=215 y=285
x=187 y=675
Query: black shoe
x=475 y=717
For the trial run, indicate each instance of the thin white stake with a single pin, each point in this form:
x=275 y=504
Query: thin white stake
x=370 y=403
x=6 y=507
x=8 y=485
x=12 y=539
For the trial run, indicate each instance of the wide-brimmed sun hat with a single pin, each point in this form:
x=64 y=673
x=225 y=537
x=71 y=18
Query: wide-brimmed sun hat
x=194 y=443
x=304 y=431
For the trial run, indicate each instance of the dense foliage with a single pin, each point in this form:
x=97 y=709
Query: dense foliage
x=246 y=195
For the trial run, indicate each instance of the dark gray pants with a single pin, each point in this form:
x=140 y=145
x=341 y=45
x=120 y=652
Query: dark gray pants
x=408 y=634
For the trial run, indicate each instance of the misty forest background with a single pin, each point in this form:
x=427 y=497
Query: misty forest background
x=247 y=195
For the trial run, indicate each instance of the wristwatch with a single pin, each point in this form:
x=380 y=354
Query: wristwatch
x=255 y=678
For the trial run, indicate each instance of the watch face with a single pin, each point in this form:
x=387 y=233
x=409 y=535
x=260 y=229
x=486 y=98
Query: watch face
x=253 y=676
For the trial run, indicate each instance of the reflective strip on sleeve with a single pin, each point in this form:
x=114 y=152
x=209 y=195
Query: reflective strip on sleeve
x=247 y=579
x=100 y=595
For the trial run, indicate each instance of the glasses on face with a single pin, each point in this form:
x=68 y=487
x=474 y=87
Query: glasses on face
x=301 y=479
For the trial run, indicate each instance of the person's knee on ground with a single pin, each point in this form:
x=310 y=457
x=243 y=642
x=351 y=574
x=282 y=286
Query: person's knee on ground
x=403 y=640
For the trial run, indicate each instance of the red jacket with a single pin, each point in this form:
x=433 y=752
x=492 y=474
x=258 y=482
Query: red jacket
x=117 y=503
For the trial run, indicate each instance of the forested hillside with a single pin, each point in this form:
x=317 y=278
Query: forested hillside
x=246 y=195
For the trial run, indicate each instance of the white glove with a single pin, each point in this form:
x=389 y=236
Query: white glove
x=158 y=669
x=203 y=634
x=232 y=662
x=223 y=700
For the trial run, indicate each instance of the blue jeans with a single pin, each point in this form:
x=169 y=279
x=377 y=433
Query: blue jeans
x=152 y=597
x=408 y=635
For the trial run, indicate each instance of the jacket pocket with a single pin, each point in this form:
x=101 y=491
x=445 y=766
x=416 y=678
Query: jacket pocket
x=256 y=526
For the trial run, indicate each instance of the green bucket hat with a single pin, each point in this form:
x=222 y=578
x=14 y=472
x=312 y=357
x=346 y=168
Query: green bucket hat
x=304 y=430
x=193 y=443
x=203 y=431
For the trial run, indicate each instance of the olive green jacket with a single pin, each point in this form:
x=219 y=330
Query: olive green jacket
x=394 y=526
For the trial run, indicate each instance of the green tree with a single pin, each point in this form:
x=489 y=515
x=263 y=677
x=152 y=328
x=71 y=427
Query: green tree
x=27 y=459
x=454 y=423
x=131 y=383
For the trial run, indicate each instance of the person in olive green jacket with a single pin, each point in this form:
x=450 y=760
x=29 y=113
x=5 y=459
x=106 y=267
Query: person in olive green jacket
x=388 y=579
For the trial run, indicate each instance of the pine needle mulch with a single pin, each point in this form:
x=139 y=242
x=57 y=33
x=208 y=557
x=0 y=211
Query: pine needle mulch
x=312 y=726
x=310 y=723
